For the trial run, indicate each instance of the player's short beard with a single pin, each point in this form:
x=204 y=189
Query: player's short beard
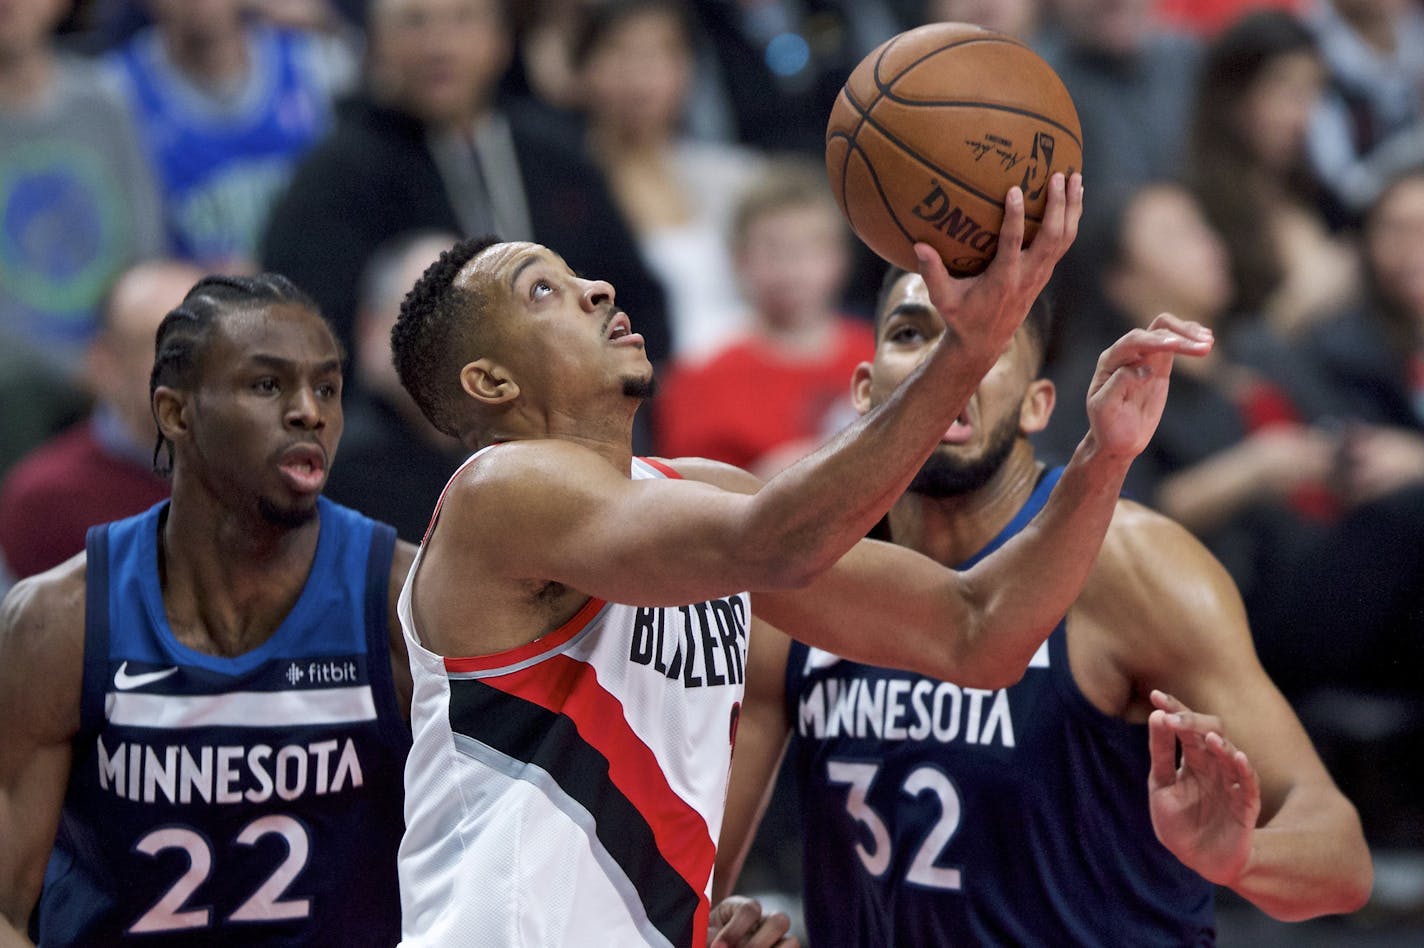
x=944 y=475
x=637 y=387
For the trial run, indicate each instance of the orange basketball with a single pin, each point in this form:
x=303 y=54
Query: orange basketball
x=932 y=129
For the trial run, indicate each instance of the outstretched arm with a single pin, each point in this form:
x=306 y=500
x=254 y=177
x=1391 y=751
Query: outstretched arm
x=889 y=606
x=41 y=663
x=1250 y=806
x=554 y=511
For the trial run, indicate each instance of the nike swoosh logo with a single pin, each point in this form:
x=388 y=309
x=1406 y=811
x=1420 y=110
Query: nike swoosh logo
x=123 y=681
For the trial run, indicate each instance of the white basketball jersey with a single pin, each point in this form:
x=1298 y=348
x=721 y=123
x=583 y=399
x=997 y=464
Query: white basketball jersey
x=570 y=791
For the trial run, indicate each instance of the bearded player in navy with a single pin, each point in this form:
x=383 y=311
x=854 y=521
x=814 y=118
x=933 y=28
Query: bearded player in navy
x=204 y=735
x=1051 y=809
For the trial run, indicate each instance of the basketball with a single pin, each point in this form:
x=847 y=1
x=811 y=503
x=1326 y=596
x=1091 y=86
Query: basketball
x=932 y=129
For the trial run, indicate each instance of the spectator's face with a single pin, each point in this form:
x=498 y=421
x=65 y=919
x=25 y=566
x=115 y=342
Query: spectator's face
x=637 y=78
x=792 y=262
x=121 y=357
x=1274 y=113
x=26 y=25
x=438 y=59
x=262 y=426
x=1010 y=401
x=1395 y=243
x=1113 y=26
x=1172 y=259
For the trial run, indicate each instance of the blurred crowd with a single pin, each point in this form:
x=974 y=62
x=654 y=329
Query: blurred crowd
x=1255 y=166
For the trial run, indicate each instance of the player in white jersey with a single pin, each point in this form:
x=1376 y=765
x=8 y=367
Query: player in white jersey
x=557 y=581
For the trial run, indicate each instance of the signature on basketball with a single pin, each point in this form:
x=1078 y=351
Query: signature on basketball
x=1001 y=148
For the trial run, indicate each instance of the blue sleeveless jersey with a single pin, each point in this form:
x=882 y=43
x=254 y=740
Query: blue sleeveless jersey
x=937 y=815
x=233 y=801
x=220 y=170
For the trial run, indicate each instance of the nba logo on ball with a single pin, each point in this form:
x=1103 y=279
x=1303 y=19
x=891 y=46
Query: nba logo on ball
x=932 y=129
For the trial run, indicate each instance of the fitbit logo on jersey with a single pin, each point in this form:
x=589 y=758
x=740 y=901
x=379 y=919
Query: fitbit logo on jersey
x=228 y=774
x=701 y=644
x=321 y=673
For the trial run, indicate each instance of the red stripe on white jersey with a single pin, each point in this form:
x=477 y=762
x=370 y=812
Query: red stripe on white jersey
x=570 y=687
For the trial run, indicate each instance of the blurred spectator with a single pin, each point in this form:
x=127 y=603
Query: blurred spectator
x=634 y=60
x=1260 y=84
x=428 y=147
x=545 y=68
x=776 y=394
x=77 y=202
x=226 y=103
x=1371 y=121
x=784 y=61
x=1250 y=457
x=101 y=469
x=1019 y=18
x=1131 y=82
x=36 y=400
x=394 y=463
x=1375 y=352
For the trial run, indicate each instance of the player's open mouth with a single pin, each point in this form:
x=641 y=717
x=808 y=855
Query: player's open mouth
x=620 y=331
x=304 y=468
x=959 y=431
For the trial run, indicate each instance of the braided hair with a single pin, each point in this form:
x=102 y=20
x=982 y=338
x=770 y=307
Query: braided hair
x=432 y=337
x=186 y=331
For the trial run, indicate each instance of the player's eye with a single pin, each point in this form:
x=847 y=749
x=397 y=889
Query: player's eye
x=266 y=385
x=905 y=334
x=540 y=289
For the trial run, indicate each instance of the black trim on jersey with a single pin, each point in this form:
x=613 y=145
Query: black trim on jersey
x=378 y=636
x=528 y=732
x=96 y=631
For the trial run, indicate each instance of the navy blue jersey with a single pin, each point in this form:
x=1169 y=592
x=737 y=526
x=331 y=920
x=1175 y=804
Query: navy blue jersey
x=941 y=815
x=233 y=801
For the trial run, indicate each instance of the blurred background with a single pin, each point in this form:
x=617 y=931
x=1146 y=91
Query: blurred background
x=1257 y=166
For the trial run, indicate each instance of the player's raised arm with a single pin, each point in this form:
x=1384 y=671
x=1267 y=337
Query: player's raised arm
x=41 y=662
x=885 y=605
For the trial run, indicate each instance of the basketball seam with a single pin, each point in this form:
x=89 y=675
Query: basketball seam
x=969 y=103
x=867 y=118
x=875 y=180
x=885 y=86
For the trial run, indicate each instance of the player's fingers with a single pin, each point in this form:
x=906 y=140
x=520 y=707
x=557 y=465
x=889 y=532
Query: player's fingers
x=1053 y=237
x=938 y=283
x=1187 y=721
x=771 y=932
x=1165 y=701
x=1011 y=234
x=1162 y=748
x=1075 y=208
x=738 y=924
x=1185 y=327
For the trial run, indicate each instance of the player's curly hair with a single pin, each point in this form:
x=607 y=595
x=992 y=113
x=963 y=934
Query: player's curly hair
x=183 y=336
x=432 y=337
x=1038 y=322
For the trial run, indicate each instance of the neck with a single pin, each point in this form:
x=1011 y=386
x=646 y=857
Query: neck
x=949 y=530
x=213 y=59
x=604 y=431
x=229 y=577
x=25 y=76
x=808 y=336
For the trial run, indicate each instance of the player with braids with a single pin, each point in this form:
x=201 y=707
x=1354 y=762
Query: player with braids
x=206 y=705
x=577 y=618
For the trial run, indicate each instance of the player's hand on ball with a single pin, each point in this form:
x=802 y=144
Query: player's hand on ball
x=738 y=922
x=984 y=311
x=1129 y=388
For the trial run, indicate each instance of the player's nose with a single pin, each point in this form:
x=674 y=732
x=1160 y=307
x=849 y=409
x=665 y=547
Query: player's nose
x=304 y=409
x=596 y=294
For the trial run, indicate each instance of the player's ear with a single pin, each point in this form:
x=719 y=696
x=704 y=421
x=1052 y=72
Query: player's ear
x=1037 y=406
x=170 y=412
x=488 y=382
x=860 y=384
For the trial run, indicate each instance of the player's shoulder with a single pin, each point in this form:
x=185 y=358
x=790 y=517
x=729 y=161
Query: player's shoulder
x=1153 y=576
